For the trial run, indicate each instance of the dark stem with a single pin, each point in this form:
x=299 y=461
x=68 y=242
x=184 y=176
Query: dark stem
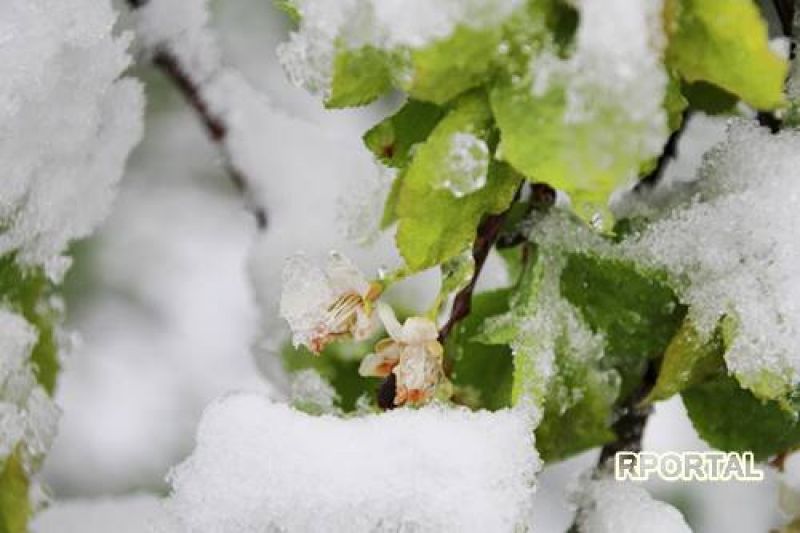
x=488 y=232
x=216 y=128
x=633 y=415
x=785 y=10
x=669 y=153
x=629 y=428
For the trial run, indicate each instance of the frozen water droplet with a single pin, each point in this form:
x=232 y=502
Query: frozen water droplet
x=467 y=165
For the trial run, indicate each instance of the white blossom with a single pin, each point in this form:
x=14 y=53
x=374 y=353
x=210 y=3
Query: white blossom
x=412 y=352
x=323 y=306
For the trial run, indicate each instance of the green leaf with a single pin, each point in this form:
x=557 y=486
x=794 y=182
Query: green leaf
x=290 y=9
x=675 y=103
x=435 y=224
x=451 y=66
x=726 y=43
x=456 y=273
x=689 y=360
x=28 y=291
x=732 y=419
x=633 y=308
x=360 y=76
x=483 y=370
x=14 y=505
x=587 y=159
x=392 y=139
x=709 y=98
x=389 y=216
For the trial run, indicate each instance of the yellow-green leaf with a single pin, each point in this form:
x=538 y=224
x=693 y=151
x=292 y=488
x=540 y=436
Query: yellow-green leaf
x=725 y=42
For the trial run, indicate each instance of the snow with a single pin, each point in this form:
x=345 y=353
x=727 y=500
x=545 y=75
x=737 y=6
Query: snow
x=467 y=165
x=136 y=513
x=311 y=393
x=608 y=506
x=679 y=180
x=67 y=122
x=789 y=486
x=391 y=25
x=28 y=416
x=166 y=328
x=260 y=466
x=732 y=251
x=180 y=27
x=620 y=83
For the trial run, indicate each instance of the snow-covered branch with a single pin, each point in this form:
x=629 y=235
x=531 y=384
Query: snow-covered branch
x=188 y=57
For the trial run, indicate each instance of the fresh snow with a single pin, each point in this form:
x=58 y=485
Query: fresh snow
x=608 y=506
x=28 y=416
x=261 y=466
x=68 y=121
x=732 y=250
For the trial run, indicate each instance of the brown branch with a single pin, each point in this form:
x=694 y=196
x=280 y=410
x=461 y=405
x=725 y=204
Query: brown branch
x=785 y=11
x=633 y=416
x=667 y=155
x=216 y=128
x=488 y=232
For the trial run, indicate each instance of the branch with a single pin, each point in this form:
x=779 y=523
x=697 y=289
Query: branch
x=785 y=10
x=488 y=232
x=669 y=153
x=629 y=427
x=216 y=128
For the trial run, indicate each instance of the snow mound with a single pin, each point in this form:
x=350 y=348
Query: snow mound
x=262 y=466
x=609 y=506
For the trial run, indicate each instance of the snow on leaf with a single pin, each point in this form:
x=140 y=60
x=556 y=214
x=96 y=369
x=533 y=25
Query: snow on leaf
x=731 y=251
x=434 y=225
x=587 y=123
x=352 y=51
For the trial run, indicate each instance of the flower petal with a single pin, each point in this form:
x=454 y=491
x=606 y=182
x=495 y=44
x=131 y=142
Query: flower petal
x=390 y=322
x=418 y=330
x=305 y=296
x=376 y=365
x=345 y=276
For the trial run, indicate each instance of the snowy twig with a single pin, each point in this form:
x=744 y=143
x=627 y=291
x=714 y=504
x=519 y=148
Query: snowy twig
x=216 y=128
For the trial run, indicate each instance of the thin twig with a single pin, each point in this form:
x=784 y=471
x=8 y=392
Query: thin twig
x=633 y=416
x=667 y=155
x=488 y=232
x=216 y=128
x=785 y=9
